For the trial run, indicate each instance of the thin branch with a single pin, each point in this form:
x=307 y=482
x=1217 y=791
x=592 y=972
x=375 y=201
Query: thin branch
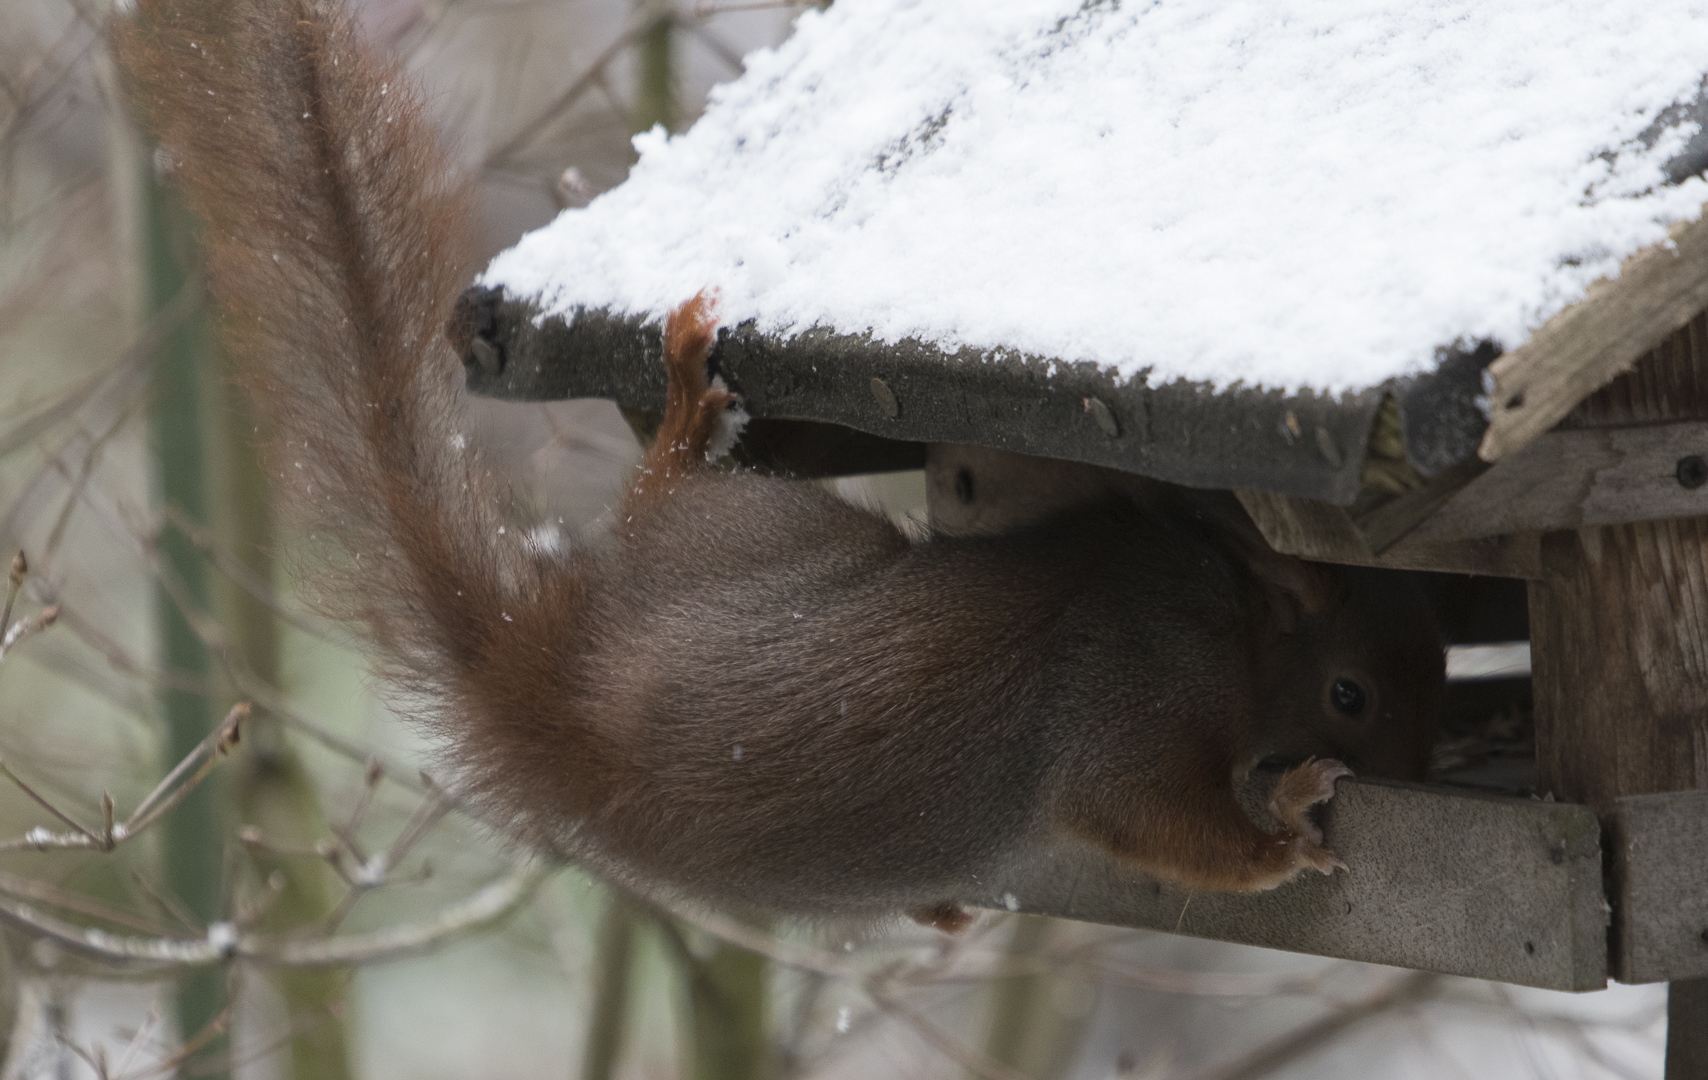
x=157 y=803
x=137 y=1041
x=14 y=582
x=730 y=57
x=245 y=578
x=1276 y=1053
x=25 y=628
x=224 y=943
x=31 y=889
x=705 y=9
x=963 y=1055
x=40 y=800
x=585 y=81
x=215 y=745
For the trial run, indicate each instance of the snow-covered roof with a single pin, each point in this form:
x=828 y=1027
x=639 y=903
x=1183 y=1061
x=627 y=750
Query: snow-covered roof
x=1266 y=197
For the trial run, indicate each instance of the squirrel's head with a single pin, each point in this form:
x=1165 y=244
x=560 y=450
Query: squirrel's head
x=1352 y=667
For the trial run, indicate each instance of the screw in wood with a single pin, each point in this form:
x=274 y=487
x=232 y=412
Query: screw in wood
x=1692 y=471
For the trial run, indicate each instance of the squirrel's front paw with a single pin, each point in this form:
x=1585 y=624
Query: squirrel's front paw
x=1295 y=793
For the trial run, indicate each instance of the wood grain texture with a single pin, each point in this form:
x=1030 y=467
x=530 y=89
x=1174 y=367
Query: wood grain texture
x=1313 y=529
x=1619 y=651
x=1686 y=1045
x=1619 y=647
x=1478 y=885
x=1620 y=624
x=1583 y=347
x=1656 y=868
x=1576 y=478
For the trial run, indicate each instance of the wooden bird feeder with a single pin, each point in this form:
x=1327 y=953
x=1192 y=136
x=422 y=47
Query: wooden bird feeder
x=1569 y=452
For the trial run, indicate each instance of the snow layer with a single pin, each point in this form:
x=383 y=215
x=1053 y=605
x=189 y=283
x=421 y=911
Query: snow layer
x=1282 y=193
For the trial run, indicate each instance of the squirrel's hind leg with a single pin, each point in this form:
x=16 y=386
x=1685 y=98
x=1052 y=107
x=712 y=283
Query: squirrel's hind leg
x=694 y=410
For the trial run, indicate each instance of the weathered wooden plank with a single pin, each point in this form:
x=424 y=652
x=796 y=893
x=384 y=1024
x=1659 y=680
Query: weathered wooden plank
x=1491 y=887
x=1578 y=478
x=1619 y=654
x=1659 y=886
x=1312 y=529
x=1619 y=646
x=1583 y=347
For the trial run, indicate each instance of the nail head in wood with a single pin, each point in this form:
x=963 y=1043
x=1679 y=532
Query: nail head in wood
x=1327 y=448
x=1104 y=416
x=1692 y=471
x=886 y=398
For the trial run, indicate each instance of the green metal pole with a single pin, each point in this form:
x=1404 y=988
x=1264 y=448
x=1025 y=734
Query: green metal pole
x=613 y=964
x=655 y=93
x=727 y=1000
x=271 y=789
x=193 y=840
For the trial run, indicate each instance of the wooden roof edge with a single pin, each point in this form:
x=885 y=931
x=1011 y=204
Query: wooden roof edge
x=1305 y=444
x=1587 y=345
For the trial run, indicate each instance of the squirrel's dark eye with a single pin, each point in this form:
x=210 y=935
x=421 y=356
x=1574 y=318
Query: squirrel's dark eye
x=1347 y=697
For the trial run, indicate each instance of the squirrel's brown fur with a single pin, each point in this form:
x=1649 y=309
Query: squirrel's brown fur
x=753 y=692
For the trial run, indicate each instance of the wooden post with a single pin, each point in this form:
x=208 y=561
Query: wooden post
x=1619 y=640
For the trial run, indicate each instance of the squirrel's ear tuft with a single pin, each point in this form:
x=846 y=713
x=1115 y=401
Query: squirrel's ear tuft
x=1298 y=591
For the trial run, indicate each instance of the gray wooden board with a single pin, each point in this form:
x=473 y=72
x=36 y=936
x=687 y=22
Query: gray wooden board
x=1464 y=884
x=1659 y=871
x=1304 y=443
x=1313 y=529
x=1578 y=478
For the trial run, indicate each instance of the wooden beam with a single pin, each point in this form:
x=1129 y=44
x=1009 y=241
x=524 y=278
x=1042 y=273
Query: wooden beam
x=1658 y=876
x=1619 y=655
x=1583 y=347
x=1577 y=478
x=978 y=489
x=1484 y=886
x=1312 y=529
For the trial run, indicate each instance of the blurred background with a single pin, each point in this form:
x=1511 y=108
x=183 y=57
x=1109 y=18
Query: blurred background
x=304 y=901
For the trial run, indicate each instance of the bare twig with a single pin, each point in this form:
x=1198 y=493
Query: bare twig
x=137 y=1041
x=167 y=794
x=1296 y=1044
x=88 y=837
x=526 y=134
x=156 y=803
x=224 y=942
x=24 y=628
x=44 y=892
x=245 y=578
x=944 y=1043
x=14 y=582
x=705 y=9
x=729 y=55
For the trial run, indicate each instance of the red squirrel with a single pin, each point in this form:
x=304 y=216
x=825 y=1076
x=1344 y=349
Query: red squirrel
x=750 y=692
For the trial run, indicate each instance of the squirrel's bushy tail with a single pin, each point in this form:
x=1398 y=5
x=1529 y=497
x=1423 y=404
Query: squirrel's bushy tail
x=336 y=244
